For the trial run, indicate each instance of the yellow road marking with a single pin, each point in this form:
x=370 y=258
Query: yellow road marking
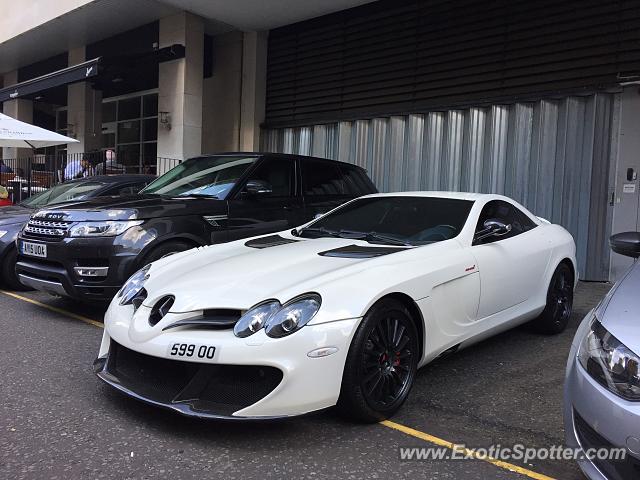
x=54 y=309
x=387 y=423
x=466 y=451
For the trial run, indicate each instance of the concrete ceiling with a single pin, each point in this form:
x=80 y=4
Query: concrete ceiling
x=262 y=14
x=100 y=19
x=92 y=22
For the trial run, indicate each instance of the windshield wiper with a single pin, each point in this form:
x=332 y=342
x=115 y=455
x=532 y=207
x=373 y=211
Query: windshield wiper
x=320 y=230
x=374 y=237
x=198 y=195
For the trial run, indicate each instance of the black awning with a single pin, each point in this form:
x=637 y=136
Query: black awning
x=100 y=71
x=77 y=73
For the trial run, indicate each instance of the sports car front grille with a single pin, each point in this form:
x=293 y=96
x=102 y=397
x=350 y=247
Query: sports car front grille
x=211 y=319
x=208 y=389
x=613 y=469
x=46 y=229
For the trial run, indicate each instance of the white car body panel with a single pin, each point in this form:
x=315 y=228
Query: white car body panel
x=463 y=293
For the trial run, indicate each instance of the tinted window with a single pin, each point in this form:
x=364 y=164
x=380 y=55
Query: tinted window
x=356 y=182
x=205 y=176
x=415 y=220
x=63 y=193
x=508 y=214
x=278 y=174
x=124 y=190
x=322 y=178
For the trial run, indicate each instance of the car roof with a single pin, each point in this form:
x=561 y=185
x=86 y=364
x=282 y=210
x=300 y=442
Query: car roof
x=113 y=179
x=281 y=155
x=441 y=194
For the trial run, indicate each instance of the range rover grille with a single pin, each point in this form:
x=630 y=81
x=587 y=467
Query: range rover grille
x=46 y=229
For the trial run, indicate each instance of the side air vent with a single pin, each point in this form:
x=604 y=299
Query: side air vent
x=139 y=299
x=160 y=309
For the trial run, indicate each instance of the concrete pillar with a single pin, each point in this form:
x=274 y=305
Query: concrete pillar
x=254 y=88
x=84 y=111
x=180 y=87
x=20 y=109
x=221 y=96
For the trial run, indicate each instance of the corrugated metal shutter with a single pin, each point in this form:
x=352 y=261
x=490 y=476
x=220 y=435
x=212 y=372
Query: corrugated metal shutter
x=553 y=156
x=396 y=57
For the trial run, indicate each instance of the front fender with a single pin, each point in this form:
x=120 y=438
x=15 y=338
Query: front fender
x=418 y=273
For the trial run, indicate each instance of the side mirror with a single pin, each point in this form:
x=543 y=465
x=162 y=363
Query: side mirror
x=626 y=243
x=258 y=187
x=492 y=228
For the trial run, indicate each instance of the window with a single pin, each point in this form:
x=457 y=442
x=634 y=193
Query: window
x=212 y=177
x=322 y=178
x=64 y=192
x=414 y=220
x=124 y=190
x=278 y=173
x=356 y=181
x=130 y=128
x=129 y=108
x=508 y=214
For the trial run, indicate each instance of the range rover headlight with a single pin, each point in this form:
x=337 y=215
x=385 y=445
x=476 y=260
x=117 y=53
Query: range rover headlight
x=109 y=228
x=256 y=318
x=133 y=286
x=294 y=315
x=610 y=362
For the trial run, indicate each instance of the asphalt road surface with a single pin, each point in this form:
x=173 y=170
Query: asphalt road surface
x=57 y=421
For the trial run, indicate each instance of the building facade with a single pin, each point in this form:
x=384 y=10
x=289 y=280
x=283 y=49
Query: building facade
x=536 y=100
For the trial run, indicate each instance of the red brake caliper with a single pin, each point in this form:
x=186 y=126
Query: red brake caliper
x=396 y=362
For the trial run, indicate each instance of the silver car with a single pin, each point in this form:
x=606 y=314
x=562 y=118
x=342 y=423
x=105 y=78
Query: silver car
x=602 y=385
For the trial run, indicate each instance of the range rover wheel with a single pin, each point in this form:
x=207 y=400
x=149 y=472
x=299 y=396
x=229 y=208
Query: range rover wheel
x=8 y=276
x=381 y=364
x=166 y=249
x=555 y=316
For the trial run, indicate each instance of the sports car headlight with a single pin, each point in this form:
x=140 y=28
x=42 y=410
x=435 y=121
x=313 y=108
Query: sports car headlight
x=610 y=362
x=294 y=315
x=110 y=228
x=278 y=320
x=133 y=286
x=255 y=318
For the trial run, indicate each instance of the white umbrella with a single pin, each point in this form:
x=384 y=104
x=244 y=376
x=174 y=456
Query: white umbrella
x=14 y=133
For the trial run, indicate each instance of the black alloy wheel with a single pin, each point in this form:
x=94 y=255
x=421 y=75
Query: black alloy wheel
x=381 y=364
x=557 y=312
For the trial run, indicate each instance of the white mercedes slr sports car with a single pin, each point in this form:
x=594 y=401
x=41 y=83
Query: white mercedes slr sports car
x=341 y=311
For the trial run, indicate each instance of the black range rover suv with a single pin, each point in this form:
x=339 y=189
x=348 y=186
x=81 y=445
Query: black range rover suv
x=87 y=250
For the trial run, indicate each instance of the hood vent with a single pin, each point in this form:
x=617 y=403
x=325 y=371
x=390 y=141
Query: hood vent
x=357 y=251
x=270 y=241
x=160 y=309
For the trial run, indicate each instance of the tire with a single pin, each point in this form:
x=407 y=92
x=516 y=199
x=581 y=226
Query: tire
x=164 y=250
x=381 y=364
x=555 y=316
x=8 y=271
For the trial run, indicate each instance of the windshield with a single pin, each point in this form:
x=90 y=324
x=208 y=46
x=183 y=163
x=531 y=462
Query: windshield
x=205 y=176
x=394 y=220
x=64 y=192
